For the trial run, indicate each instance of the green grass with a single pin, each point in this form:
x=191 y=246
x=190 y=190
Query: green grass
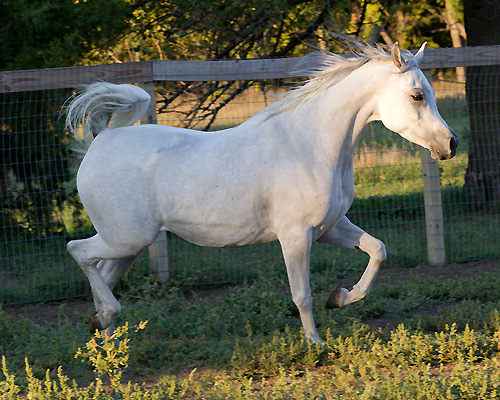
x=248 y=343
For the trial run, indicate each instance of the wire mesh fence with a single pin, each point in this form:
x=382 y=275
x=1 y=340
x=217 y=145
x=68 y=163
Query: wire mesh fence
x=40 y=210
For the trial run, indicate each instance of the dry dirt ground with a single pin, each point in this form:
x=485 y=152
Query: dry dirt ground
x=81 y=310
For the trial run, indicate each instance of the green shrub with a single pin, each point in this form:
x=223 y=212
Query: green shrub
x=108 y=356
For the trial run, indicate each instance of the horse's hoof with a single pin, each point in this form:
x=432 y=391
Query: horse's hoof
x=336 y=298
x=317 y=342
x=95 y=324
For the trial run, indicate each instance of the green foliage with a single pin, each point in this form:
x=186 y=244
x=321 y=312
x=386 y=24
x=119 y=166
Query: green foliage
x=59 y=33
x=216 y=29
x=287 y=352
x=35 y=160
x=63 y=33
x=108 y=355
x=35 y=164
x=362 y=363
x=245 y=342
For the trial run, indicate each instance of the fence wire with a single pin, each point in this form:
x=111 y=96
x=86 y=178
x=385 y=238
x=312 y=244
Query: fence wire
x=40 y=210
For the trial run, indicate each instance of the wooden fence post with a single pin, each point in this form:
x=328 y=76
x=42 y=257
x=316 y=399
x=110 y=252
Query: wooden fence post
x=434 y=227
x=158 y=251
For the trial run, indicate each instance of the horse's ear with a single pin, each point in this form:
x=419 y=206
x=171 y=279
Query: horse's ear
x=420 y=53
x=396 y=56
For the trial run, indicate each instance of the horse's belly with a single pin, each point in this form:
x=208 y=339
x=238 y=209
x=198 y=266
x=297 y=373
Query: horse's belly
x=218 y=209
x=221 y=235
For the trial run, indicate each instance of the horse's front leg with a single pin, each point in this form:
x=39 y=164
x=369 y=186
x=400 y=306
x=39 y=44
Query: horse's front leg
x=296 y=248
x=348 y=235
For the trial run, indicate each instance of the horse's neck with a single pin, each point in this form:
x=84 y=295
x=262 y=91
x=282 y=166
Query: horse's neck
x=339 y=115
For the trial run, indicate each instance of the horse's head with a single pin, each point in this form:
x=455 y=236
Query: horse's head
x=407 y=106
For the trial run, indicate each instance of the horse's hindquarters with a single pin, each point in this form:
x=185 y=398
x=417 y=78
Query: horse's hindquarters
x=118 y=200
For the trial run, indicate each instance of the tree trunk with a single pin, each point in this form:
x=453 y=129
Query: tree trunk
x=457 y=30
x=482 y=179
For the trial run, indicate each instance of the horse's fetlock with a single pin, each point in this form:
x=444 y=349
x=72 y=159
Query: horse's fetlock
x=117 y=310
x=302 y=301
x=97 y=323
x=101 y=320
x=357 y=294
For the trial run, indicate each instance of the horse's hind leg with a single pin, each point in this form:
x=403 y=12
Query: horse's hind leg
x=87 y=253
x=111 y=271
x=348 y=235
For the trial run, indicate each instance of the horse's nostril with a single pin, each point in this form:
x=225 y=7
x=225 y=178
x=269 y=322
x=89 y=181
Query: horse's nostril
x=453 y=145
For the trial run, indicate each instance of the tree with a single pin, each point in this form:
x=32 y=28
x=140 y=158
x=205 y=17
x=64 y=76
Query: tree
x=454 y=20
x=221 y=29
x=34 y=162
x=482 y=179
x=408 y=22
x=58 y=33
x=453 y=17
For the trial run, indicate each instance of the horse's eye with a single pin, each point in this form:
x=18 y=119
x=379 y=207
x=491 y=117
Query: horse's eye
x=417 y=97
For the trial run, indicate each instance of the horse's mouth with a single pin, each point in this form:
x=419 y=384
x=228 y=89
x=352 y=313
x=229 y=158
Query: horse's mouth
x=436 y=155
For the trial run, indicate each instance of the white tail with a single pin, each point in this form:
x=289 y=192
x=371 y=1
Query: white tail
x=104 y=105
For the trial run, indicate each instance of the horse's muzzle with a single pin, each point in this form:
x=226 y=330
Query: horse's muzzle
x=450 y=153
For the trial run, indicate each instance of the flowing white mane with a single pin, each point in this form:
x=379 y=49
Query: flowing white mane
x=327 y=69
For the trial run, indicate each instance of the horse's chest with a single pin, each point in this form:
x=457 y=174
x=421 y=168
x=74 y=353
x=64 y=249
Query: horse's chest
x=331 y=203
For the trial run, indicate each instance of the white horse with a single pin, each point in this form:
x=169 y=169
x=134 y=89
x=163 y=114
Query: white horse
x=285 y=174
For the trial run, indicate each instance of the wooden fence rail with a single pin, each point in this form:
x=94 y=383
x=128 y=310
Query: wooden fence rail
x=154 y=71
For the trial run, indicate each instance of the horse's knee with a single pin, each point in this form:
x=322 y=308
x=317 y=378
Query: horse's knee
x=81 y=251
x=71 y=247
x=379 y=254
x=77 y=251
x=374 y=247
